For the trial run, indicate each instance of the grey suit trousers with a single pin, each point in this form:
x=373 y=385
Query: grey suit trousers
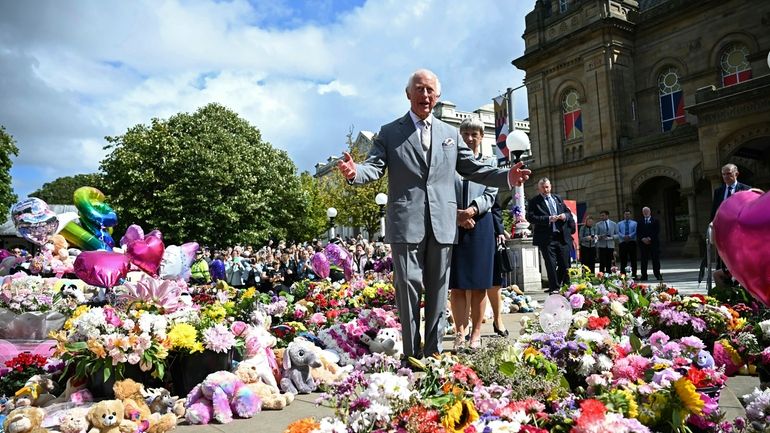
x=422 y=268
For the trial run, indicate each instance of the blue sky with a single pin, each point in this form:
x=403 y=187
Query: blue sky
x=303 y=72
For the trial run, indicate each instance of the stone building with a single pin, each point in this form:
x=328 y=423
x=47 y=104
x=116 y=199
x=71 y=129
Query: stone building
x=640 y=103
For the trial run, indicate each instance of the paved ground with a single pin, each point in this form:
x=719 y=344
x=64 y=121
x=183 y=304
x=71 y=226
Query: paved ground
x=680 y=273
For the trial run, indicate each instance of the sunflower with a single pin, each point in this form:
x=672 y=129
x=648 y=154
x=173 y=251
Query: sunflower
x=459 y=416
x=689 y=396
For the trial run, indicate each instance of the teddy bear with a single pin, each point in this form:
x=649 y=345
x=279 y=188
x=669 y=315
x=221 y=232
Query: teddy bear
x=219 y=396
x=107 y=417
x=74 y=421
x=136 y=409
x=387 y=341
x=704 y=359
x=298 y=359
x=36 y=391
x=272 y=398
x=25 y=420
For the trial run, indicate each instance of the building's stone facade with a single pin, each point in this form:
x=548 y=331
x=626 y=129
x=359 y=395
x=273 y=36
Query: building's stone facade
x=613 y=53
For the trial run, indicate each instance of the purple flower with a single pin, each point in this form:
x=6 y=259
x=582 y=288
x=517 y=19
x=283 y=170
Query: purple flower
x=658 y=339
x=577 y=300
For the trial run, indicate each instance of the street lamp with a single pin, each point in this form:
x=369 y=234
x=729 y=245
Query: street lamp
x=381 y=199
x=331 y=213
x=518 y=143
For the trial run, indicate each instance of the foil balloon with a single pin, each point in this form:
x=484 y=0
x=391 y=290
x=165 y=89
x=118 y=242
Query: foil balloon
x=93 y=229
x=65 y=218
x=101 y=268
x=742 y=238
x=556 y=315
x=177 y=261
x=144 y=251
x=34 y=220
x=320 y=265
x=340 y=257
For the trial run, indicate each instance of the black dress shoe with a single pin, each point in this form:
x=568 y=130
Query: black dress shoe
x=644 y=278
x=504 y=333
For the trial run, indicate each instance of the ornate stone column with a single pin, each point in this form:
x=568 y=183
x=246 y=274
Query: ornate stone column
x=527 y=273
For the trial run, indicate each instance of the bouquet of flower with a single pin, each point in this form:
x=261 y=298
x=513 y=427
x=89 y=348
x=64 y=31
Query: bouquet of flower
x=16 y=372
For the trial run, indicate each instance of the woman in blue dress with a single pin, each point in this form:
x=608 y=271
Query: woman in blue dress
x=473 y=254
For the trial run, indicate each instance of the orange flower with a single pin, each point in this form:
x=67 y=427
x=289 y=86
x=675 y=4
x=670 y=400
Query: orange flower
x=304 y=425
x=97 y=348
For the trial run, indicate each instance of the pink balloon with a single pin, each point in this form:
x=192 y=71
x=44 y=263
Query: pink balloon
x=320 y=265
x=742 y=238
x=101 y=268
x=145 y=252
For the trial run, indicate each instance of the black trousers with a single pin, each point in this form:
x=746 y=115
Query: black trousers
x=605 y=259
x=628 y=253
x=556 y=257
x=588 y=257
x=650 y=252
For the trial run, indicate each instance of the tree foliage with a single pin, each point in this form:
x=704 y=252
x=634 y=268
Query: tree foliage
x=61 y=190
x=318 y=198
x=355 y=204
x=7 y=148
x=205 y=177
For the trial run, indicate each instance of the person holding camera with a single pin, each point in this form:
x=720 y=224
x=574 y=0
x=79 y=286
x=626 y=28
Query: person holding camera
x=588 y=238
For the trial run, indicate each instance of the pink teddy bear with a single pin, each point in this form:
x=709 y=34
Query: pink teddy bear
x=219 y=396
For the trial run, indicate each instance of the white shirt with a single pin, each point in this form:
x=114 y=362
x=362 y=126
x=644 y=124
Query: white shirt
x=419 y=124
x=727 y=188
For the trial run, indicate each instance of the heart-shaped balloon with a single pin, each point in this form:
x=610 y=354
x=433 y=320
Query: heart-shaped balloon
x=320 y=264
x=742 y=238
x=145 y=252
x=177 y=261
x=101 y=268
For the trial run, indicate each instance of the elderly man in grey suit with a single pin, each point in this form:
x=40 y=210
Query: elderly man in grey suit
x=423 y=154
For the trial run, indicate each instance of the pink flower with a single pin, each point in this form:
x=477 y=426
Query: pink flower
x=577 y=300
x=317 y=319
x=239 y=328
x=658 y=339
x=111 y=317
x=218 y=339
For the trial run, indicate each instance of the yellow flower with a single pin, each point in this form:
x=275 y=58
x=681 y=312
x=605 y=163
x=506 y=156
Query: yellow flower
x=369 y=292
x=690 y=398
x=633 y=407
x=647 y=415
x=459 y=416
x=249 y=293
x=734 y=355
x=184 y=336
x=75 y=314
x=96 y=348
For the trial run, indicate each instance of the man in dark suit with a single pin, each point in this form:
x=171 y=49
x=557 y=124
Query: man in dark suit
x=553 y=228
x=730 y=187
x=648 y=232
x=423 y=154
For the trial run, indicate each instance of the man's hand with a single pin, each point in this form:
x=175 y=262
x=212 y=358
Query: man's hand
x=347 y=166
x=500 y=238
x=518 y=175
x=465 y=218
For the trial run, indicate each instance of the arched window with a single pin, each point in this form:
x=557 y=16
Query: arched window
x=735 y=65
x=573 y=119
x=671 y=100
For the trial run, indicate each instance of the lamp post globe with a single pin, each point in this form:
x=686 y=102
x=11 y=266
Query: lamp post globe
x=381 y=199
x=518 y=143
x=331 y=213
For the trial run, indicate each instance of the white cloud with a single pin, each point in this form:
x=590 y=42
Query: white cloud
x=73 y=75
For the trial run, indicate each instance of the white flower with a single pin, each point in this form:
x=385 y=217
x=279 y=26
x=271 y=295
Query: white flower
x=134 y=358
x=129 y=324
x=604 y=362
x=618 y=309
x=587 y=363
x=500 y=426
x=765 y=327
x=388 y=386
x=331 y=425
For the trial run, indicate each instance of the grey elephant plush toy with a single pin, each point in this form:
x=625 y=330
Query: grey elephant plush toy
x=297 y=362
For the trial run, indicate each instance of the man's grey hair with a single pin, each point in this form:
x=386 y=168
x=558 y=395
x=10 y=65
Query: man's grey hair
x=472 y=123
x=732 y=167
x=543 y=180
x=428 y=72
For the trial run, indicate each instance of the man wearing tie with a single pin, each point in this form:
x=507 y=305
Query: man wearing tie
x=423 y=155
x=553 y=228
x=606 y=232
x=649 y=243
x=730 y=187
x=627 y=235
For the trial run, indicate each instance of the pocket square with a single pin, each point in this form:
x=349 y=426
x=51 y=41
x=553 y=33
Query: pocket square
x=448 y=142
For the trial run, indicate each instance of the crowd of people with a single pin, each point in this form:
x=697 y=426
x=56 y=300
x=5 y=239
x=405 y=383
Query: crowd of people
x=276 y=266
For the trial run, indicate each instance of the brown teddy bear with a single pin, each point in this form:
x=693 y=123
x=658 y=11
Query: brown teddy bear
x=25 y=420
x=107 y=417
x=74 y=421
x=271 y=396
x=136 y=409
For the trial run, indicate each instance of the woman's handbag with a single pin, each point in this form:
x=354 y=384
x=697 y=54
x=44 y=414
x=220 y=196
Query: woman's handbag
x=506 y=258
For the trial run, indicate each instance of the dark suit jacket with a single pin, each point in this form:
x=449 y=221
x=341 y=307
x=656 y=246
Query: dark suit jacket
x=719 y=195
x=497 y=217
x=651 y=230
x=538 y=214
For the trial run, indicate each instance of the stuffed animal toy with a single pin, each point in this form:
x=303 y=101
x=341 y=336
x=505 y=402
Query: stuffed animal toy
x=74 y=392
x=704 y=359
x=298 y=359
x=36 y=392
x=107 y=417
x=385 y=335
x=271 y=397
x=74 y=421
x=220 y=396
x=25 y=420
x=159 y=400
x=137 y=410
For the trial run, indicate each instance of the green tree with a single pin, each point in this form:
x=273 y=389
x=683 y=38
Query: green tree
x=205 y=177
x=317 y=197
x=7 y=148
x=355 y=204
x=61 y=190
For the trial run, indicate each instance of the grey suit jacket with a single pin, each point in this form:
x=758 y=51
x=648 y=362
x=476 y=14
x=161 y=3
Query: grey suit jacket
x=421 y=191
x=484 y=196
